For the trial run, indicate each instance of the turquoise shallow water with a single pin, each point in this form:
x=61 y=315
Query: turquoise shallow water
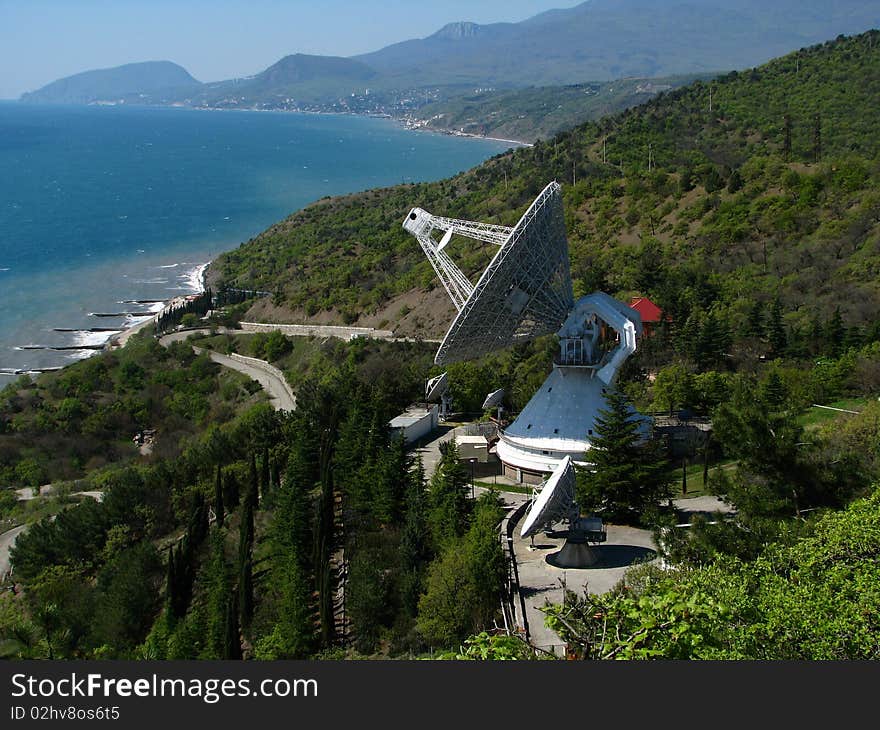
x=99 y=205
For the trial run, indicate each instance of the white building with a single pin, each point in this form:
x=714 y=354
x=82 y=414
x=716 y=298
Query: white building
x=415 y=423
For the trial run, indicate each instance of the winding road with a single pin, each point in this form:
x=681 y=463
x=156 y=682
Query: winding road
x=7 y=540
x=268 y=376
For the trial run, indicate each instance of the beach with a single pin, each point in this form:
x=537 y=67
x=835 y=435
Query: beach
x=73 y=341
x=196 y=281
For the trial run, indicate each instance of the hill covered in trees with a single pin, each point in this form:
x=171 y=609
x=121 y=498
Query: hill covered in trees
x=150 y=78
x=721 y=196
x=543 y=111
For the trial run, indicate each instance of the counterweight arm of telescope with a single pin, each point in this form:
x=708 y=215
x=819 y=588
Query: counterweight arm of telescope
x=470 y=229
x=422 y=224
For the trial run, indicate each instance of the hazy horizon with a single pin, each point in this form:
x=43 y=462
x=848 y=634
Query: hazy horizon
x=41 y=42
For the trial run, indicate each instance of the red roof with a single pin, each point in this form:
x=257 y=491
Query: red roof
x=649 y=311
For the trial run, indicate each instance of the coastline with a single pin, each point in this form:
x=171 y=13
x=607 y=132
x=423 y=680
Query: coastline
x=421 y=125
x=93 y=342
x=409 y=123
x=65 y=334
x=196 y=279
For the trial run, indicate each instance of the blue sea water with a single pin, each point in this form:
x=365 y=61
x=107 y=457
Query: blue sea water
x=99 y=205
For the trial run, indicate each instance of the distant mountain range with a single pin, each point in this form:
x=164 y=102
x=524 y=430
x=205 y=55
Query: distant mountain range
x=608 y=39
x=594 y=41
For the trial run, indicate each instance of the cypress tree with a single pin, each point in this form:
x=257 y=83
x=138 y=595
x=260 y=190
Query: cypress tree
x=853 y=338
x=216 y=581
x=182 y=577
x=245 y=564
x=786 y=140
x=834 y=334
x=246 y=590
x=171 y=582
x=218 y=498
x=448 y=496
x=197 y=529
x=776 y=329
x=772 y=390
x=265 y=486
x=253 y=492
x=232 y=634
x=414 y=539
x=755 y=320
x=231 y=491
x=246 y=531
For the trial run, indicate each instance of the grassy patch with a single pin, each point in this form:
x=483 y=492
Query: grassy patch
x=696 y=486
x=814 y=417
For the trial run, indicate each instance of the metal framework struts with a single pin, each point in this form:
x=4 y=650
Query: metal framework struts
x=422 y=225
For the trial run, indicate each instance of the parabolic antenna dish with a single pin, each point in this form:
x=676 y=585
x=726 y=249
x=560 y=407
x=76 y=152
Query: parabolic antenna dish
x=436 y=387
x=493 y=399
x=524 y=293
x=554 y=501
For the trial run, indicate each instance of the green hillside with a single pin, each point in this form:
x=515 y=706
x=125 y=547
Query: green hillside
x=755 y=223
x=738 y=206
x=543 y=111
x=293 y=77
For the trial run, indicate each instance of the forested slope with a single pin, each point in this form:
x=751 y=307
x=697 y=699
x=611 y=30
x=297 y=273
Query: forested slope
x=756 y=186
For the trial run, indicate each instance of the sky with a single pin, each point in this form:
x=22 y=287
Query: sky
x=43 y=40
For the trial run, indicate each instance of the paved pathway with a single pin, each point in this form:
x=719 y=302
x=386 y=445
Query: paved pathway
x=430 y=451
x=707 y=504
x=26 y=494
x=7 y=540
x=271 y=378
x=542 y=582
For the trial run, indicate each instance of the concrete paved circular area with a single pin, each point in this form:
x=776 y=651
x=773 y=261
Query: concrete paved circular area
x=543 y=583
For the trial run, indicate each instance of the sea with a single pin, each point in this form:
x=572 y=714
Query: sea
x=113 y=210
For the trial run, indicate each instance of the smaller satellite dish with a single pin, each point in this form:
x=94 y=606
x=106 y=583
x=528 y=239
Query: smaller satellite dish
x=436 y=387
x=554 y=501
x=493 y=399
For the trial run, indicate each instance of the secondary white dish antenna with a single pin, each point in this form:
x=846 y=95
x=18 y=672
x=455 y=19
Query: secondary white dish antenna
x=436 y=387
x=554 y=502
x=524 y=293
x=493 y=399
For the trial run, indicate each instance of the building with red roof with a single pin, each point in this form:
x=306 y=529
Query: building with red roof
x=650 y=313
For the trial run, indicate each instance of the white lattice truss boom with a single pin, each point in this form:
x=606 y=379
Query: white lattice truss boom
x=422 y=225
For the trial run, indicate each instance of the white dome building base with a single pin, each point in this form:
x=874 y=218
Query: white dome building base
x=559 y=420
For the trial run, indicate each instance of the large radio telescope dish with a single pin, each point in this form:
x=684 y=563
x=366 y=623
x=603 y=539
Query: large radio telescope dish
x=555 y=500
x=524 y=293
